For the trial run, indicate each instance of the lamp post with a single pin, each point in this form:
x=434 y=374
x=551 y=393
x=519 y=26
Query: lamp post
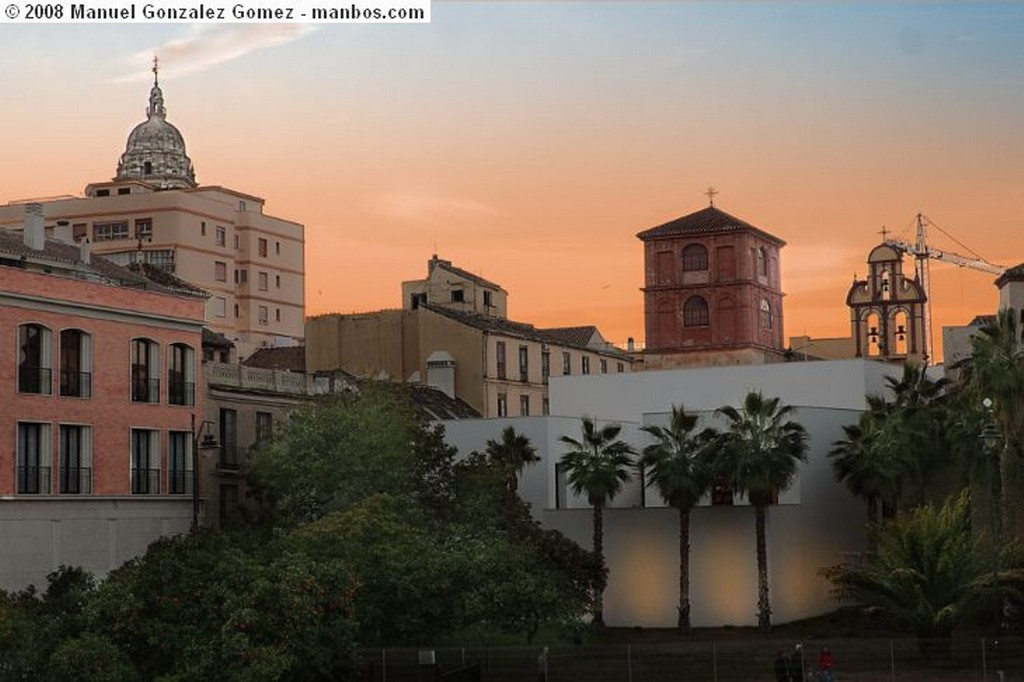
x=208 y=443
x=991 y=438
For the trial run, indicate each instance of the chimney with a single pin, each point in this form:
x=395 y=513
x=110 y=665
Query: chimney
x=34 y=233
x=84 y=251
x=630 y=344
x=62 y=232
x=441 y=372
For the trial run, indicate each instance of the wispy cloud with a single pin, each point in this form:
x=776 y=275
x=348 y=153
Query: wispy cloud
x=207 y=45
x=428 y=208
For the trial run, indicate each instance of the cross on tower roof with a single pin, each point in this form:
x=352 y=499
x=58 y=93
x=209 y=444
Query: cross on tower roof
x=710 y=194
x=884 y=232
x=156 y=69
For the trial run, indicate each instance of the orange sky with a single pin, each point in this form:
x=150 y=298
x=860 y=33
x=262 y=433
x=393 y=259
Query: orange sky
x=530 y=142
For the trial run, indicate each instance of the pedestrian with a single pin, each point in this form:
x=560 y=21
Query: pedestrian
x=781 y=667
x=825 y=664
x=542 y=666
x=796 y=665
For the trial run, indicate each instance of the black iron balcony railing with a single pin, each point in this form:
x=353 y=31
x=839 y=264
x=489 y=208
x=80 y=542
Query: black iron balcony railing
x=145 y=481
x=35 y=379
x=76 y=384
x=33 y=480
x=75 y=480
x=229 y=456
x=181 y=393
x=145 y=390
x=179 y=482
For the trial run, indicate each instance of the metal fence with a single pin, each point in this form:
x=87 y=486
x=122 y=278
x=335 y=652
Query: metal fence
x=751 y=659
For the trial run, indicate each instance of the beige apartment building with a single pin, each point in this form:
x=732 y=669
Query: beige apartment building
x=461 y=343
x=219 y=239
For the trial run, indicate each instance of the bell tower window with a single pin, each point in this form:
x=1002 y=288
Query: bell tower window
x=147 y=168
x=695 y=312
x=695 y=258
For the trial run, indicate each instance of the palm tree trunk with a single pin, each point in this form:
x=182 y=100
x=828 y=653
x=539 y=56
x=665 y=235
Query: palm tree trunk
x=872 y=523
x=684 y=568
x=764 y=608
x=599 y=551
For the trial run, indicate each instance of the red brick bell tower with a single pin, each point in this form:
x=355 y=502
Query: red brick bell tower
x=712 y=292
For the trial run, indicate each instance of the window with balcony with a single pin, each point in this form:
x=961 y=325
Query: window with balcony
x=263 y=279
x=75 y=364
x=228 y=439
x=181 y=381
x=75 y=463
x=179 y=463
x=145 y=371
x=241 y=276
x=145 y=462
x=499 y=354
x=262 y=247
x=524 y=363
x=35 y=366
x=33 y=459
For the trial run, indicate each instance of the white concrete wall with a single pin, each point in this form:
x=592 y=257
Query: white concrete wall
x=38 y=535
x=816 y=524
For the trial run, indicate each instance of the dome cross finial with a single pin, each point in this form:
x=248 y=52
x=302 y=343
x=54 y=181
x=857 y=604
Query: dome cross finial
x=156 y=70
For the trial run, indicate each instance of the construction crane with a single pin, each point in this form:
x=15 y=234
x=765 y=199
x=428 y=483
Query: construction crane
x=922 y=253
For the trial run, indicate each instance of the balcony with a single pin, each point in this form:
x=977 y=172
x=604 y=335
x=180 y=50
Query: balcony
x=227 y=375
x=75 y=480
x=181 y=393
x=145 y=390
x=33 y=480
x=37 y=380
x=76 y=384
x=179 y=482
x=145 y=481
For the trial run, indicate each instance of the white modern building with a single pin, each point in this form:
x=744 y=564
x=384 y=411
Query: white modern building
x=816 y=523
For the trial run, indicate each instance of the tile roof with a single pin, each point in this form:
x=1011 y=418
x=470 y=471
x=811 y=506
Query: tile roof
x=519 y=330
x=212 y=339
x=447 y=265
x=433 y=403
x=289 y=358
x=167 y=280
x=572 y=336
x=710 y=220
x=1014 y=274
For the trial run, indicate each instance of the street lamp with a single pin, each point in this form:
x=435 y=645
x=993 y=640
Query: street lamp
x=208 y=443
x=991 y=438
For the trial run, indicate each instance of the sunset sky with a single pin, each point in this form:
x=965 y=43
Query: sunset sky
x=530 y=142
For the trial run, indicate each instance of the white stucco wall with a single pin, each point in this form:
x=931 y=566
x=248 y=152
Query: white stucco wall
x=816 y=523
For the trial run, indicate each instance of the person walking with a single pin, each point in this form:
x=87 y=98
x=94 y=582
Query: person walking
x=542 y=666
x=781 y=667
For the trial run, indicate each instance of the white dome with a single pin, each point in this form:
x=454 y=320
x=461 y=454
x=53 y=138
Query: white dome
x=155 y=151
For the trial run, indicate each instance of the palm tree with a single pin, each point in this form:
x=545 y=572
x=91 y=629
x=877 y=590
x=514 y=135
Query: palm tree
x=673 y=464
x=995 y=370
x=597 y=465
x=512 y=453
x=758 y=455
x=874 y=461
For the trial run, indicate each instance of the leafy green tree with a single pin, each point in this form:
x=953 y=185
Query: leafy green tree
x=597 y=465
x=874 y=460
x=995 y=371
x=512 y=454
x=758 y=455
x=930 y=571
x=674 y=465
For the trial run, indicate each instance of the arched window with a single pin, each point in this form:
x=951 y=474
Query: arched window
x=695 y=258
x=695 y=312
x=181 y=386
x=145 y=371
x=766 y=314
x=874 y=335
x=900 y=332
x=35 y=365
x=75 y=363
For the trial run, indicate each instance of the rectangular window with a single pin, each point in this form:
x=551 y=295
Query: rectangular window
x=500 y=357
x=458 y=296
x=524 y=366
x=545 y=406
x=487 y=299
x=145 y=462
x=524 y=405
x=79 y=231
x=263 y=247
x=604 y=366
x=241 y=276
x=228 y=502
x=236 y=310
x=222 y=236
x=202 y=228
x=105 y=232
x=620 y=368
x=144 y=228
x=545 y=366
x=220 y=271
x=264 y=426
x=566 y=364
x=237 y=247
x=277 y=248
x=585 y=362
x=75 y=470
x=103 y=192
x=33 y=459
x=264 y=313
x=124 y=190
x=220 y=306
x=262 y=281
x=277 y=281
x=561 y=486
x=502 y=404
x=228 y=439
x=179 y=463
x=277 y=314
